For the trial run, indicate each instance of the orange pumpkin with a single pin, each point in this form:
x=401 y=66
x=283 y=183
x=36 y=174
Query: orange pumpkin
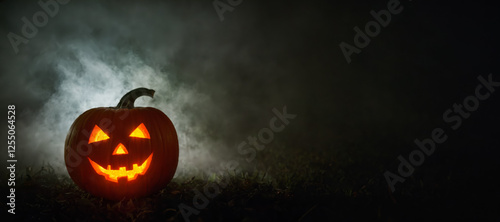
x=124 y=151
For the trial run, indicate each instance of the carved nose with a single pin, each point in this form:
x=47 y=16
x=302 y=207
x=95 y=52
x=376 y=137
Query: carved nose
x=120 y=150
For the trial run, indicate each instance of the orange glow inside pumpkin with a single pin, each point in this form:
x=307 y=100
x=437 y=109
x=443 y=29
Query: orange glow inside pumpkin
x=120 y=149
x=140 y=132
x=97 y=135
x=113 y=175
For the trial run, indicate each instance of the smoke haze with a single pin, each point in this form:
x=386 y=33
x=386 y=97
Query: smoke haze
x=218 y=81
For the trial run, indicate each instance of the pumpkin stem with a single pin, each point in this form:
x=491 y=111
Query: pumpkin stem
x=128 y=99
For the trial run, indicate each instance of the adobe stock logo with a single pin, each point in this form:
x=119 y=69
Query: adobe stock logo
x=372 y=29
x=248 y=148
x=39 y=20
x=453 y=116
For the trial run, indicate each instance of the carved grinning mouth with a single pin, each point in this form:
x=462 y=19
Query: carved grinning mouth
x=113 y=175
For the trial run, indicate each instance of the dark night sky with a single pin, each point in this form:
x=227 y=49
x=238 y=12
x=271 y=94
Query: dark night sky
x=219 y=81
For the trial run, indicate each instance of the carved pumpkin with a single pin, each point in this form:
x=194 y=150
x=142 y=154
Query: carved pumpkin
x=123 y=151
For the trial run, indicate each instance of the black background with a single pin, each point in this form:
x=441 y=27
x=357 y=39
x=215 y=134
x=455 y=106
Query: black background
x=267 y=55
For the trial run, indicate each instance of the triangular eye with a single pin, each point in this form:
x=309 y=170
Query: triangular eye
x=97 y=135
x=140 y=132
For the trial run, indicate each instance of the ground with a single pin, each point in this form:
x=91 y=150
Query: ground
x=341 y=185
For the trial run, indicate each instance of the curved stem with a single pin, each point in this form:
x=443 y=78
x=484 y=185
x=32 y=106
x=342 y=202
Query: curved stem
x=128 y=99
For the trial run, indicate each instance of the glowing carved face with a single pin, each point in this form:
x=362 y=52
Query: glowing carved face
x=113 y=175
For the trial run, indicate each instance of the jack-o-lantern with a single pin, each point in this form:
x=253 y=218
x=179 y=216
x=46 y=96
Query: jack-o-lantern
x=124 y=151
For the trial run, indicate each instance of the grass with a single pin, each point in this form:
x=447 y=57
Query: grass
x=299 y=189
x=341 y=185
